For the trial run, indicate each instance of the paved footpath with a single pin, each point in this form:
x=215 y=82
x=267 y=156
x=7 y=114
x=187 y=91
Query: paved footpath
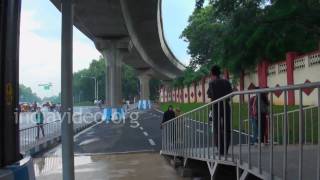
x=114 y=151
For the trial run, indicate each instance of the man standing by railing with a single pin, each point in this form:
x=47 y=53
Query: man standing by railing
x=218 y=88
x=39 y=121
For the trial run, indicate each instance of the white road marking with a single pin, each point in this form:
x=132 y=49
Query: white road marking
x=152 y=142
x=141 y=128
x=145 y=133
x=89 y=128
x=89 y=141
x=159 y=111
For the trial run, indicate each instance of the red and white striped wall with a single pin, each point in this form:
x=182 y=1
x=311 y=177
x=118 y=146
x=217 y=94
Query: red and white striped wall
x=295 y=69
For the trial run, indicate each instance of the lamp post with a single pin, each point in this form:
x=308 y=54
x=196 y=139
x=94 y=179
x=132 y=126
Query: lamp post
x=95 y=85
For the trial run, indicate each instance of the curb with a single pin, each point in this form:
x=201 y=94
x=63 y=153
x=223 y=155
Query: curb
x=22 y=169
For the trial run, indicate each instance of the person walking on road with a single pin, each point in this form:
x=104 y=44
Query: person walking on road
x=218 y=88
x=39 y=121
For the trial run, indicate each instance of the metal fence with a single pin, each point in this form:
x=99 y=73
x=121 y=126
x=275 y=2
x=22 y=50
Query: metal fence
x=33 y=136
x=287 y=145
x=310 y=115
x=29 y=136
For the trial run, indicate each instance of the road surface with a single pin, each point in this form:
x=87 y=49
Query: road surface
x=114 y=151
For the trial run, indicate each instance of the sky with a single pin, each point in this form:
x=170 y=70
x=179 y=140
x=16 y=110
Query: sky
x=40 y=38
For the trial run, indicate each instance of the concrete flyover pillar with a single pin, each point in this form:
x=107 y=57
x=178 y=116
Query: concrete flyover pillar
x=144 y=102
x=113 y=52
x=113 y=68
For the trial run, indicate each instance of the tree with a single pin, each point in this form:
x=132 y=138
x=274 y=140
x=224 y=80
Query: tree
x=83 y=88
x=238 y=34
x=154 y=89
x=53 y=99
x=26 y=94
x=130 y=82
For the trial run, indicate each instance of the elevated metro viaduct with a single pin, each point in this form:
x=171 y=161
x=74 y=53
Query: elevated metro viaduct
x=124 y=31
x=130 y=32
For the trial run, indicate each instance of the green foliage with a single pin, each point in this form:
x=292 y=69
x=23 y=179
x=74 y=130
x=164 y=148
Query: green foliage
x=53 y=99
x=130 y=82
x=83 y=88
x=184 y=107
x=237 y=34
x=26 y=94
x=154 y=89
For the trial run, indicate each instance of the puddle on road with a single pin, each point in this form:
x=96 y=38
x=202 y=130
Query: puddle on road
x=142 y=166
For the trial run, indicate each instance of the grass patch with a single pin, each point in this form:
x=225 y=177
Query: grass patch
x=183 y=106
x=309 y=129
x=186 y=107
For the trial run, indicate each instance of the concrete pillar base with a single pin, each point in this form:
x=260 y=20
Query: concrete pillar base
x=113 y=114
x=144 y=104
x=20 y=170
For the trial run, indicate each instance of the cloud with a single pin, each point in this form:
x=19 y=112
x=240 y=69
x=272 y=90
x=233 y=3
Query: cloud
x=40 y=55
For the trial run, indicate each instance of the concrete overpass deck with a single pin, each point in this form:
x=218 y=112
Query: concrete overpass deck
x=135 y=26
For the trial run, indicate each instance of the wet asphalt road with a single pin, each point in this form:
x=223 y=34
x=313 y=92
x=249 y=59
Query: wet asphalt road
x=113 y=151
x=126 y=136
x=143 y=135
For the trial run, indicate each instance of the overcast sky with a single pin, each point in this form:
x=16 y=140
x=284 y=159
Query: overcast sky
x=40 y=42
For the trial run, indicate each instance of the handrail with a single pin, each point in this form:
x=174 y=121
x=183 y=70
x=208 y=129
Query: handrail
x=196 y=135
x=35 y=135
x=256 y=91
x=31 y=127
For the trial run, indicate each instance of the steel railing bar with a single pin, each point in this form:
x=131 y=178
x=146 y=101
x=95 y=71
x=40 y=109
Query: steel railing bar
x=208 y=133
x=239 y=138
x=213 y=131
x=231 y=128
x=225 y=129
x=301 y=120
x=318 y=164
x=249 y=133
x=219 y=132
x=271 y=129
x=285 y=125
x=261 y=135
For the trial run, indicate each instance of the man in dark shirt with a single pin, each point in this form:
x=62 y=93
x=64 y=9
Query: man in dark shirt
x=168 y=115
x=221 y=111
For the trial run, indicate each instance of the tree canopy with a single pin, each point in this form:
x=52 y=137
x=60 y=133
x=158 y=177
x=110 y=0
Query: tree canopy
x=26 y=94
x=238 y=34
x=84 y=87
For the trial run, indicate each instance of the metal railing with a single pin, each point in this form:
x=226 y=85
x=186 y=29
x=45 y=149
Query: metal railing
x=310 y=114
x=33 y=136
x=291 y=149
